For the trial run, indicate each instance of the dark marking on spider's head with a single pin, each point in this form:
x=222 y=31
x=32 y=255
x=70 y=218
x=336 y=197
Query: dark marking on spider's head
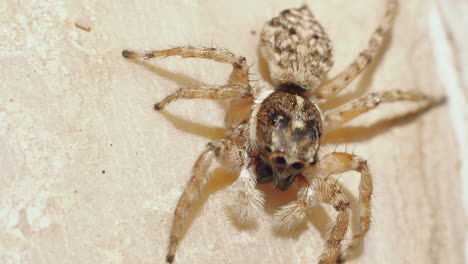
x=291 y=88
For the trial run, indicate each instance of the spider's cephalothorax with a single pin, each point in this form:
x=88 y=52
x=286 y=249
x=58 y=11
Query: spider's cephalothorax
x=277 y=138
x=288 y=130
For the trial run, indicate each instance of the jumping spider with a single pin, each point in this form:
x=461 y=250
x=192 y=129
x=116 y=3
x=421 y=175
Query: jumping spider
x=279 y=137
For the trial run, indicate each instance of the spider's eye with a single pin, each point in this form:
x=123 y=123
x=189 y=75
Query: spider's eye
x=274 y=120
x=268 y=149
x=297 y=165
x=280 y=160
x=280 y=121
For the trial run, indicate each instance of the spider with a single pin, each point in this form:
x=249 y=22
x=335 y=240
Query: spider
x=278 y=138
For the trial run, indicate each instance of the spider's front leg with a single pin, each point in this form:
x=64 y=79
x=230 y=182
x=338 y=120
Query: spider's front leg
x=337 y=83
x=240 y=70
x=209 y=92
x=340 y=115
x=238 y=84
x=229 y=156
x=339 y=162
x=327 y=191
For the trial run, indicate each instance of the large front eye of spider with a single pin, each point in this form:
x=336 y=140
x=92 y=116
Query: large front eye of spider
x=279 y=121
x=298 y=165
x=278 y=160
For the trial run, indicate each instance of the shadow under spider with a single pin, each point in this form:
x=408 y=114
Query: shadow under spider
x=194 y=128
x=274 y=199
x=181 y=79
x=317 y=216
x=219 y=179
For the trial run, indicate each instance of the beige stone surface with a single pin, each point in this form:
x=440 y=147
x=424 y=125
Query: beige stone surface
x=90 y=174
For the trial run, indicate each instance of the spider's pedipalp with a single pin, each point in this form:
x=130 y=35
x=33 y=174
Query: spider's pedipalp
x=292 y=214
x=247 y=200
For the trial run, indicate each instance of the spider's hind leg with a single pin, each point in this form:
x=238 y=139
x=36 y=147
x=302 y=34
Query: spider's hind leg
x=339 y=82
x=343 y=114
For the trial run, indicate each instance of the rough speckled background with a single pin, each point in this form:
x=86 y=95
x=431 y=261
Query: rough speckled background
x=90 y=174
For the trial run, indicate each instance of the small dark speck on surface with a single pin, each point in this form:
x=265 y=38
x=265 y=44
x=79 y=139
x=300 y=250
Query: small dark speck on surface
x=103 y=171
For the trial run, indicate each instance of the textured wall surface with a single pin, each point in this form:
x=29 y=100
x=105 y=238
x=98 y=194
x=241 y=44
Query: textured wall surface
x=89 y=173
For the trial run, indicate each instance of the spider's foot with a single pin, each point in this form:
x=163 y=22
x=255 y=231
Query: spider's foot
x=436 y=101
x=340 y=260
x=170 y=258
x=158 y=106
x=132 y=54
x=128 y=54
x=342 y=257
x=289 y=216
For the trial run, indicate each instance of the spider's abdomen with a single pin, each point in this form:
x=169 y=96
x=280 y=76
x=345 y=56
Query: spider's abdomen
x=296 y=48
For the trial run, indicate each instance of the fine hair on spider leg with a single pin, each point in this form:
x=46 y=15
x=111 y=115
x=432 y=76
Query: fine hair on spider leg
x=278 y=140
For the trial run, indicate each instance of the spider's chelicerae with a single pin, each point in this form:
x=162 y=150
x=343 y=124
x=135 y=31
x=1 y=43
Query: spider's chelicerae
x=279 y=137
